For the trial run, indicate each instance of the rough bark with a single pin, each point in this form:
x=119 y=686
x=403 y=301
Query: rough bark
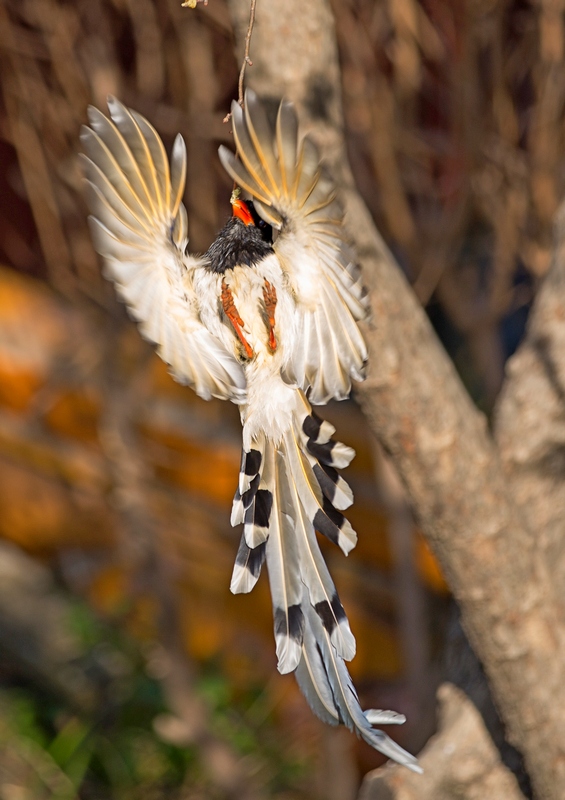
x=459 y=761
x=530 y=418
x=425 y=420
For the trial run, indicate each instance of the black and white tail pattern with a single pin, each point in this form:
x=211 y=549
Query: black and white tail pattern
x=252 y=505
x=326 y=683
x=287 y=491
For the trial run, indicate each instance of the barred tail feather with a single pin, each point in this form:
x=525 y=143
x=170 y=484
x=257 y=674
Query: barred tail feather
x=247 y=567
x=263 y=502
x=323 y=515
x=332 y=484
x=327 y=686
x=251 y=505
x=287 y=490
x=253 y=499
x=283 y=564
x=284 y=495
x=321 y=590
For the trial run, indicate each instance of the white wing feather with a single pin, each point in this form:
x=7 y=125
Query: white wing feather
x=293 y=193
x=139 y=226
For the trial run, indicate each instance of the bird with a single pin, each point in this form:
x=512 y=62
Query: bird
x=268 y=318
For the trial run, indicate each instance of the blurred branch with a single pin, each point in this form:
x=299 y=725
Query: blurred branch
x=15 y=82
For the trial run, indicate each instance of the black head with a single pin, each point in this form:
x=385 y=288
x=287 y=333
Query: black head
x=245 y=211
x=244 y=240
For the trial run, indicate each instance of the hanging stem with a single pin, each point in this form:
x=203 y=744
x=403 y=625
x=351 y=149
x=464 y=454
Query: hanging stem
x=246 y=58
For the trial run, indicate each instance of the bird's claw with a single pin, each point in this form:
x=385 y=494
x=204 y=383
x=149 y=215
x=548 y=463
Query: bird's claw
x=233 y=316
x=270 y=298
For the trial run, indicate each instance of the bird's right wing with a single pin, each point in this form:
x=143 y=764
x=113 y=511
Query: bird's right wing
x=139 y=226
x=292 y=191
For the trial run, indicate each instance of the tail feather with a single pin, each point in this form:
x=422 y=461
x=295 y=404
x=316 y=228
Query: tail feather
x=332 y=454
x=321 y=590
x=287 y=491
x=316 y=434
x=327 y=686
x=315 y=429
x=337 y=491
x=323 y=515
x=253 y=499
x=283 y=565
x=285 y=494
x=247 y=567
x=311 y=676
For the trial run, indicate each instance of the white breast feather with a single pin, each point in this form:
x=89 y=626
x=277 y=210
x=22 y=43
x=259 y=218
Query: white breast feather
x=269 y=400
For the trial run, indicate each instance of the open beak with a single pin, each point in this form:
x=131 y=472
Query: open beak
x=241 y=211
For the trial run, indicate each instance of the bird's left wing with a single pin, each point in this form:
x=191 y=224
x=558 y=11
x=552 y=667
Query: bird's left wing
x=292 y=192
x=139 y=226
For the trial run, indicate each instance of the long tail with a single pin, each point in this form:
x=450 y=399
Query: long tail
x=326 y=684
x=287 y=491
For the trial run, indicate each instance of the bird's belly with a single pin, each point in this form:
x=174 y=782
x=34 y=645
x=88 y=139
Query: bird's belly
x=246 y=287
x=260 y=298
x=270 y=402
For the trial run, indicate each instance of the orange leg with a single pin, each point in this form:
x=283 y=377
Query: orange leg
x=270 y=298
x=231 y=313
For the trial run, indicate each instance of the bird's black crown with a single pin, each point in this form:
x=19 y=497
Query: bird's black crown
x=238 y=244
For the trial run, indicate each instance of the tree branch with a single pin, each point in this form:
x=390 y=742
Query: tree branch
x=530 y=418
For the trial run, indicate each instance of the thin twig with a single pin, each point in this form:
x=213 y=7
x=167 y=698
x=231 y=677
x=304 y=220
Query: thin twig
x=246 y=58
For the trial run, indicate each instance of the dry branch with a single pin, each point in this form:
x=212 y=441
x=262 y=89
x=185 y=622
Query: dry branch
x=530 y=419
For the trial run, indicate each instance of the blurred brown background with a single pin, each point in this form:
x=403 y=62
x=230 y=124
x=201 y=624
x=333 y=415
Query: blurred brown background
x=126 y=667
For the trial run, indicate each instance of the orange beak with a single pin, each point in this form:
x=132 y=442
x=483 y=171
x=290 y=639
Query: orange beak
x=241 y=211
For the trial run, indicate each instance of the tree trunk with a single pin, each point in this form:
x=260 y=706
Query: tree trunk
x=480 y=511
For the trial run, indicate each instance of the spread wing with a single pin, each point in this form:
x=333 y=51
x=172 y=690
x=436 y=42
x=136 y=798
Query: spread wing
x=139 y=226
x=292 y=192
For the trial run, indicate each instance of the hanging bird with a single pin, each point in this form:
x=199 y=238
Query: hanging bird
x=270 y=323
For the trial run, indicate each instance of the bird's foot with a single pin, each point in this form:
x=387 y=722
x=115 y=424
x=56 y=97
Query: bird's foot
x=270 y=298
x=233 y=316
